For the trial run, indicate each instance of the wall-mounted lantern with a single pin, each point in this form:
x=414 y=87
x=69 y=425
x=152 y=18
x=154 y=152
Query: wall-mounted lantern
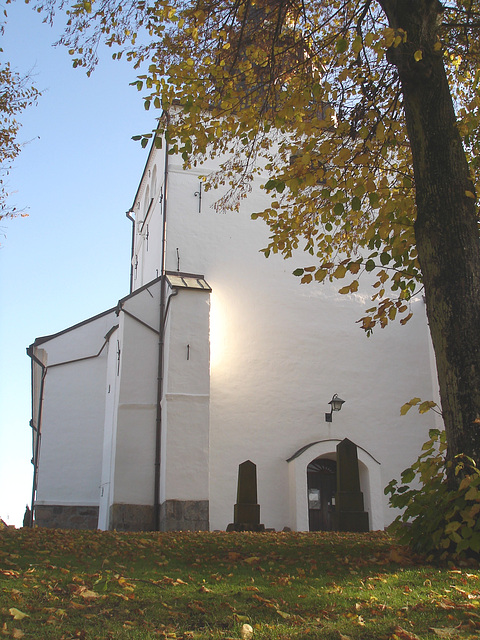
x=335 y=405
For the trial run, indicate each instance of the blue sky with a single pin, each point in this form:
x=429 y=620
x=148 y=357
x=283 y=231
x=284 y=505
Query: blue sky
x=70 y=259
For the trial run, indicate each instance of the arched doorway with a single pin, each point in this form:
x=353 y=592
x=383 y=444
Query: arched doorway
x=321 y=488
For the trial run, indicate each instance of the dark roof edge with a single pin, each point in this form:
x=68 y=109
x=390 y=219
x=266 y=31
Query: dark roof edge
x=139 y=290
x=42 y=339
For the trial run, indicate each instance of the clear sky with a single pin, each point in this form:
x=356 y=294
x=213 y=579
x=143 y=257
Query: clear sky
x=70 y=259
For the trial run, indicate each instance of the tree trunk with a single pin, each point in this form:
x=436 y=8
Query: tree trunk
x=446 y=229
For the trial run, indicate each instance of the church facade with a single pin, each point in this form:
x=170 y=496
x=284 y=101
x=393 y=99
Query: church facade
x=142 y=414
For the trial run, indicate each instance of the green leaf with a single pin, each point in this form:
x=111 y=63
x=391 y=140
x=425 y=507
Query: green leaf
x=298 y=272
x=374 y=200
x=341 y=45
x=356 y=203
x=408 y=475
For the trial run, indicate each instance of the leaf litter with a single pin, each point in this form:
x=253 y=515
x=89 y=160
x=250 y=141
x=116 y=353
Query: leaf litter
x=194 y=586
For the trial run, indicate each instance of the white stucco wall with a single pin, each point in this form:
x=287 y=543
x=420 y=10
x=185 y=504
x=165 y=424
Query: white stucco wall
x=73 y=415
x=280 y=350
x=185 y=459
x=112 y=388
x=134 y=442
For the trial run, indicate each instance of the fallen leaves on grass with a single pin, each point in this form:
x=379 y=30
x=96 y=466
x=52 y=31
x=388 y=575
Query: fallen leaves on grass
x=295 y=585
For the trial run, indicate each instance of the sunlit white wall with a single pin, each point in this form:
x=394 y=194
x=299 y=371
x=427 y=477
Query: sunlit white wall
x=280 y=350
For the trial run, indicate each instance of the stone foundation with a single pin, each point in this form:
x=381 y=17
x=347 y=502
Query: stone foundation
x=131 y=517
x=57 y=516
x=185 y=515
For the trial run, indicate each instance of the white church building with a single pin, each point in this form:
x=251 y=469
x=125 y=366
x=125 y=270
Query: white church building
x=142 y=414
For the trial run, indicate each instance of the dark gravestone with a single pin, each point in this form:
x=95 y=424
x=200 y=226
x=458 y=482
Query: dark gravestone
x=246 y=513
x=349 y=509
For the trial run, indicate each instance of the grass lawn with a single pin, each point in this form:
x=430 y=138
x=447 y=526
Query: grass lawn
x=65 y=585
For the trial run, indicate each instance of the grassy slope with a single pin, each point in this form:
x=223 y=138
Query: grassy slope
x=74 y=584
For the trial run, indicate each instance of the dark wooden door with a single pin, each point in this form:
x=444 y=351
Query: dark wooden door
x=321 y=486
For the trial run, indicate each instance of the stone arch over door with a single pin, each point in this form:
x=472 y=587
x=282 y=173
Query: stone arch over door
x=370 y=482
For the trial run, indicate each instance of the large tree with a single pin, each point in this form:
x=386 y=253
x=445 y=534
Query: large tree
x=364 y=113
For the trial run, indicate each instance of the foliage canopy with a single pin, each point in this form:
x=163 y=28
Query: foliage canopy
x=308 y=93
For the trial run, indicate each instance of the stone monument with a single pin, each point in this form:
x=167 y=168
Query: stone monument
x=246 y=512
x=349 y=510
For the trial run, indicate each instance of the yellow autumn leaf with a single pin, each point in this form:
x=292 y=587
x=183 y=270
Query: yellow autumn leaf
x=340 y=272
x=426 y=406
x=88 y=594
x=357 y=44
x=320 y=275
x=470 y=194
x=418 y=55
x=402 y=634
x=17 y=633
x=408 y=405
x=472 y=494
x=17 y=614
x=240 y=618
x=369 y=37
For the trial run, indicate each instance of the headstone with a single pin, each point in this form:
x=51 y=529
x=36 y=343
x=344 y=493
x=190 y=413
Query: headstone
x=27 y=518
x=349 y=509
x=246 y=512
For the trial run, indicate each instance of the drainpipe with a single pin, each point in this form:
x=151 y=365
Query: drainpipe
x=132 y=220
x=36 y=450
x=161 y=344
